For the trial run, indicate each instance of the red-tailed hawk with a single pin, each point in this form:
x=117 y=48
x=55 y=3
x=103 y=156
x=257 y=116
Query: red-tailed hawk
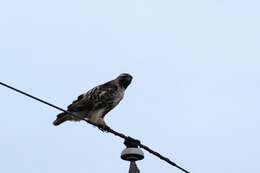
x=97 y=102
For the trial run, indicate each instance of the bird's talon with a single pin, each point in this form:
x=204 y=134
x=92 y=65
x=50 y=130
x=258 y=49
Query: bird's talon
x=103 y=128
x=100 y=128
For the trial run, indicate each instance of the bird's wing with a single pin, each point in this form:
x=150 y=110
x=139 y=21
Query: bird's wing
x=95 y=98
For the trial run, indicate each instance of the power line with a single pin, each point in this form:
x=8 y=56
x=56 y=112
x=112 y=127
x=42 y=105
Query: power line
x=107 y=128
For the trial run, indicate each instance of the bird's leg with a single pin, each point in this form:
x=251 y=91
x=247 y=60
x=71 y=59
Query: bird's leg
x=99 y=121
x=102 y=124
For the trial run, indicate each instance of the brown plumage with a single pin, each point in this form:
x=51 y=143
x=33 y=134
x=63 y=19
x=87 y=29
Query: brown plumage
x=97 y=102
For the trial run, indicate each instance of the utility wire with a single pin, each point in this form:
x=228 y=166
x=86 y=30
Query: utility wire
x=107 y=128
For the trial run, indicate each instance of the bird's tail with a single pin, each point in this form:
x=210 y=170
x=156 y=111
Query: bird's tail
x=62 y=117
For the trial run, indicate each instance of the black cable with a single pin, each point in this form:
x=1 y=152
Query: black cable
x=47 y=103
x=107 y=128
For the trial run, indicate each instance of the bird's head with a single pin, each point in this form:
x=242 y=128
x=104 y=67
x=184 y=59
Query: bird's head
x=124 y=79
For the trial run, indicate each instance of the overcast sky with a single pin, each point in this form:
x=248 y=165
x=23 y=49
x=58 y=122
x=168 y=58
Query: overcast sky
x=194 y=97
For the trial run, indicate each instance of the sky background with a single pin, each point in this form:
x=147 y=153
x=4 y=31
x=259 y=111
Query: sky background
x=194 y=97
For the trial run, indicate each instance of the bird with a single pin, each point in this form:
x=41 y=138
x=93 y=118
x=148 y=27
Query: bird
x=97 y=102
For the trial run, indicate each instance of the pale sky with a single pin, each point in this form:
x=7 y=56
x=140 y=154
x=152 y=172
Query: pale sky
x=194 y=97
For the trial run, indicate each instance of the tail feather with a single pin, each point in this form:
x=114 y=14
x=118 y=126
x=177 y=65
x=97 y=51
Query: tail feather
x=62 y=117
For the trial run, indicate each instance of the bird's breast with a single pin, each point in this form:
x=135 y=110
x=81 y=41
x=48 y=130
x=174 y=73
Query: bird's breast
x=119 y=96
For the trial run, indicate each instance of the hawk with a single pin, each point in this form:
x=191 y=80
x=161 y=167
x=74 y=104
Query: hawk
x=97 y=102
